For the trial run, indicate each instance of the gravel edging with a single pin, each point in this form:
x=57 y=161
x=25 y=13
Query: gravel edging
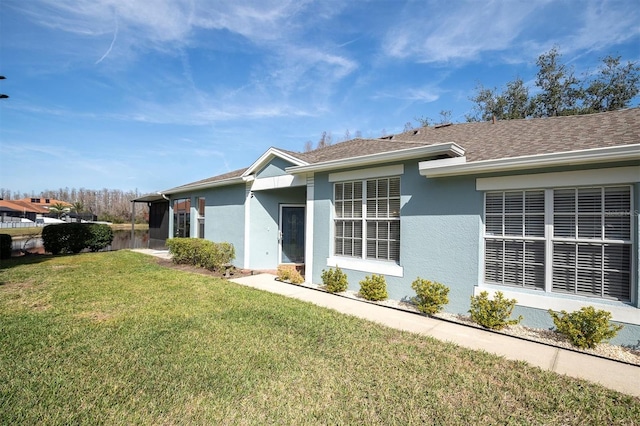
x=542 y=336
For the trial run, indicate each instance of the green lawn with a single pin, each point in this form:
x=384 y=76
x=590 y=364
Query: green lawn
x=113 y=338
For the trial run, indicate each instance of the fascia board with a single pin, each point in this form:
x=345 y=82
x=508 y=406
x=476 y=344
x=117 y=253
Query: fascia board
x=587 y=156
x=272 y=152
x=382 y=157
x=204 y=185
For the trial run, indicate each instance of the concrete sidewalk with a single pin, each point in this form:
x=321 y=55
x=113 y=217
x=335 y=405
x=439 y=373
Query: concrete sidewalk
x=611 y=374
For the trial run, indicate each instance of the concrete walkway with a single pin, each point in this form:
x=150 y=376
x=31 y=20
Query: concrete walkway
x=611 y=374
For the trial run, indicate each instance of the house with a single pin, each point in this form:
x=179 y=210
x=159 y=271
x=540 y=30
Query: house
x=14 y=210
x=544 y=210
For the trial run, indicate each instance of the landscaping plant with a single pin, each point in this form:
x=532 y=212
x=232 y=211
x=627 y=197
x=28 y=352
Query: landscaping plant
x=431 y=296
x=493 y=314
x=200 y=252
x=586 y=327
x=75 y=237
x=290 y=274
x=334 y=280
x=374 y=287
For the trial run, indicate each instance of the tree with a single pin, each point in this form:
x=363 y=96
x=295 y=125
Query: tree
x=325 y=140
x=59 y=209
x=560 y=91
x=77 y=207
x=613 y=87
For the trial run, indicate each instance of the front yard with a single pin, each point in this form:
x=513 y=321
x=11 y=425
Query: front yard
x=115 y=338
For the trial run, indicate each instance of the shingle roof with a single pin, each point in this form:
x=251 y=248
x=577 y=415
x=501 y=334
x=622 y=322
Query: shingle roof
x=514 y=138
x=490 y=140
x=228 y=175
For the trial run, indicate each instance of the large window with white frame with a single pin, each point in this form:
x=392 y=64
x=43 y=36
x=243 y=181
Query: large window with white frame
x=569 y=240
x=367 y=219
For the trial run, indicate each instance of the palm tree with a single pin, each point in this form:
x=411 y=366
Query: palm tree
x=77 y=207
x=59 y=209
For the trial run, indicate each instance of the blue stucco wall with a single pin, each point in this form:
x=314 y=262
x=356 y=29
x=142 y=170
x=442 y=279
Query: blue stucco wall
x=265 y=211
x=224 y=216
x=441 y=240
x=439 y=235
x=275 y=167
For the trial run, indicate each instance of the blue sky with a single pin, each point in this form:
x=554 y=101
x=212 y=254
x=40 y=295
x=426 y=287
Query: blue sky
x=151 y=94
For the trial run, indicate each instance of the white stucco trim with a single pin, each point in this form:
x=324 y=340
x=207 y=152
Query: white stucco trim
x=365 y=265
x=376 y=172
x=247 y=226
x=308 y=237
x=448 y=148
x=609 y=176
x=284 y=181
x=588 y=156
x=268 y=155
x=619 y=311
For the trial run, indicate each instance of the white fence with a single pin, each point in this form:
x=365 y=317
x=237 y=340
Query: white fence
x=20 y=225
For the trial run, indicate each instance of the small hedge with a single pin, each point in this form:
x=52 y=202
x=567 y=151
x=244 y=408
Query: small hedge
x=5 y=246
x=334 y=280
x=374 y=287
x=585 y=328
x=290 y=274
x=75 y=237
x=493 y=314
x=201 y=252
x=431 y=296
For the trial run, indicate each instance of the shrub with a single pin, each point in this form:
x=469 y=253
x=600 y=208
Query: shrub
x=431 y=296
x=75 y=237
x=334 y=280
x=100 y=236
x=493 y=314
x=5 y=246
x=585 y=328
x=289 y=273
x=374 y=287
x=200 y=252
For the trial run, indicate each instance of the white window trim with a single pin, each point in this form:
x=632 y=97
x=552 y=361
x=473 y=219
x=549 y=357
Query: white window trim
x=367 y=265
x=609 y=176
x=549 y=299
x=373 y=266
x=375 y=172
x=620 y=311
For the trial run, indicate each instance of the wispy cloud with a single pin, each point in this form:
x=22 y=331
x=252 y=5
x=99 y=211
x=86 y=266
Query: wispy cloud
x=460 y=32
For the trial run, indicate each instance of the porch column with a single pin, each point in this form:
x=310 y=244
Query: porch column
x=308 y=238
x=247 y=225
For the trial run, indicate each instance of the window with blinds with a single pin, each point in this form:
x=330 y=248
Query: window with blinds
x=589 y=239
x=592 y=241
x=514 y=238
x=367 y=219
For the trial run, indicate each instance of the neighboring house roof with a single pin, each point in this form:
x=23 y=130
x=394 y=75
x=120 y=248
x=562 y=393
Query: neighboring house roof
x=22 y=206
x=477 y=141
x=43 y=202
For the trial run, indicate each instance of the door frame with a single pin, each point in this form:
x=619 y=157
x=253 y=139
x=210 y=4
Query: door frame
x=280 y=239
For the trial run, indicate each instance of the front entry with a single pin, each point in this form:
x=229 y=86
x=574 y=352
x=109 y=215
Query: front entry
x=292 y=233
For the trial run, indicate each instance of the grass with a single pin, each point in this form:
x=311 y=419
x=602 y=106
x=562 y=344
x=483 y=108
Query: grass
x=113 y=338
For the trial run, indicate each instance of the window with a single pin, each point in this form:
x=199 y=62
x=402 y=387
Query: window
x=181 y=217
x=367 y=219
x=586 y=232
x=201 y=206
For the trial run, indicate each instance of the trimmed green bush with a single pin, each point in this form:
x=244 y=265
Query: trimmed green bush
x=334 y=280
x=201 y=252
x=493 y=314
x=585 y=328
x=5 y=246
x=374 y=287
x=75 y=237
x=100 y=236
x=431 y=296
